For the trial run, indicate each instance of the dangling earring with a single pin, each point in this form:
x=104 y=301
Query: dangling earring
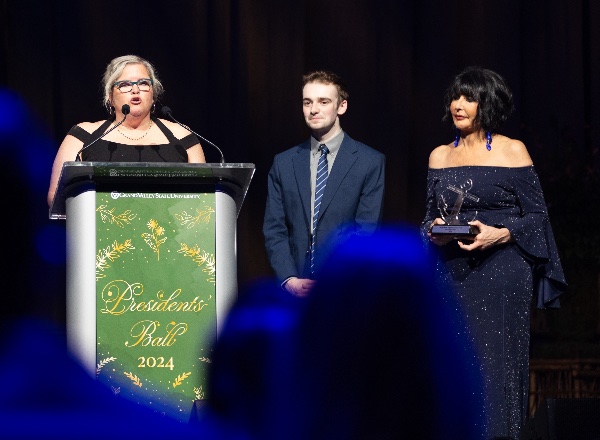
x=110 y=109
x=488 y=143
x=457 y=138
x=153 y=107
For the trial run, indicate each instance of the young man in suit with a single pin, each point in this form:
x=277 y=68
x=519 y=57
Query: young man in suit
x=343 y=176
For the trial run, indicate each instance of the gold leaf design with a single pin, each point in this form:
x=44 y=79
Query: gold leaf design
x=102 y=363
x=108 y=215
x=136 y=380
x=199 y=393
x=179 y=380
x=153 y=239
x=110 y=253
x=202 y=258
x=190 y=220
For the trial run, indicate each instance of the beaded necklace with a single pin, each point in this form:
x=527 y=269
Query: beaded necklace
x=137 y=139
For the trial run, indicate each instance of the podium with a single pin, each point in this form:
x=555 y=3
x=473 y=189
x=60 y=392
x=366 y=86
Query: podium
x=151 y=272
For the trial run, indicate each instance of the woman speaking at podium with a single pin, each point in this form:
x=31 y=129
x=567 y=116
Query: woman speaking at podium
x=132 y=132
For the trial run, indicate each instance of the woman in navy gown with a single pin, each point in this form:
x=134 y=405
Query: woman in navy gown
x=488 y=180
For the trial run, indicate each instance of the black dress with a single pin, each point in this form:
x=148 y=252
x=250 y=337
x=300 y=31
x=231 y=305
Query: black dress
x=106 y=151
x=495 y=286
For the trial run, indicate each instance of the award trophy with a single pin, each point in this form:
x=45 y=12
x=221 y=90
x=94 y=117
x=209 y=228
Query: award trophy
x=457 y=223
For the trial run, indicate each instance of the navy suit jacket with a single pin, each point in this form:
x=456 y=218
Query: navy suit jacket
x=352 y=204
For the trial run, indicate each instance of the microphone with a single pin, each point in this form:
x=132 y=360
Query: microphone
x=125 y=110
x=167 y=112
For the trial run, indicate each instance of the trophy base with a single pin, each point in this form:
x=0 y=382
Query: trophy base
x=456 y=231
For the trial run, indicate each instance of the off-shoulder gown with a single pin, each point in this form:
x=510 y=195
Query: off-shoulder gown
x=495 y=287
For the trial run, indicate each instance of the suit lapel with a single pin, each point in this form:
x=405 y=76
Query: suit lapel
x=344 y=160
x=301 y=166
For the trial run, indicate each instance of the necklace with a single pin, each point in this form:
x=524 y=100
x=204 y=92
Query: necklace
x=138 y=138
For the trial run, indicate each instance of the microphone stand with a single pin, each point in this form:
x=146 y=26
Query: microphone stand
x=125 y=110
x=167 y=112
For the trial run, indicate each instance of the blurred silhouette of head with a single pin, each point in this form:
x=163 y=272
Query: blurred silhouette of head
x=47 y=394
x=381 y=353
x=249 y=362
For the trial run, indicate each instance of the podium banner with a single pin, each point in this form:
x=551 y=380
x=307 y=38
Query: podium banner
x=155 y=296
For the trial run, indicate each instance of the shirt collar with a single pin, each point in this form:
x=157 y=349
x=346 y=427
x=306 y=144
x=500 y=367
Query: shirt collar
x=333 y=144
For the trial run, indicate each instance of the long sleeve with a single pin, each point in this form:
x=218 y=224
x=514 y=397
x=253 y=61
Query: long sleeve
x=431 y=209
x=275 y=227
x=370 y=206
x=533 y=234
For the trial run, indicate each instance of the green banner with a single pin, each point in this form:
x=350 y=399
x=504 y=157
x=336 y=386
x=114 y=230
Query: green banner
x=155 y=287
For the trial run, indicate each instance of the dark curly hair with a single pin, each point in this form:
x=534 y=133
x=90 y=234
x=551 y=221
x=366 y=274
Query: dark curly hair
x=489 y=90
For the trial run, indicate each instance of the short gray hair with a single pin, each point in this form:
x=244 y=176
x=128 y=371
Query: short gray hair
x=115 y=69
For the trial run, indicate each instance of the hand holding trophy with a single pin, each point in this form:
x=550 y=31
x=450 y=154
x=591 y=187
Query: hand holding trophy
x=457 y=223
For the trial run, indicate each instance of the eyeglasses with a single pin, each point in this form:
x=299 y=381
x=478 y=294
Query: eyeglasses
x=143 y=84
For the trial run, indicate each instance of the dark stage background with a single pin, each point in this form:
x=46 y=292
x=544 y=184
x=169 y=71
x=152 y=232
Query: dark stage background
x=232 y=71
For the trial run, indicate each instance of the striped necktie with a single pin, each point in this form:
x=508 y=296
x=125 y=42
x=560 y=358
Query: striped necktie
x=322 y=174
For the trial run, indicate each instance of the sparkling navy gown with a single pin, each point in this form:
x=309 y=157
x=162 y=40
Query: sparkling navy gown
x=495 y=287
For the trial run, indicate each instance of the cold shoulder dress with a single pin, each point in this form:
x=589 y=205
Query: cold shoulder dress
x=106 y=151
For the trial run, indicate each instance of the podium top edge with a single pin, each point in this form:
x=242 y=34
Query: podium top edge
x=237 y=174
x=159 y=164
